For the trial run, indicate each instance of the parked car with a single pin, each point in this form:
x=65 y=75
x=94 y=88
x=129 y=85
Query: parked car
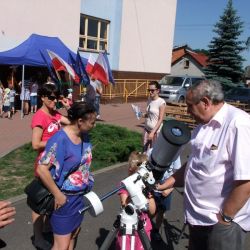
x=174 y=88
x=238 y=94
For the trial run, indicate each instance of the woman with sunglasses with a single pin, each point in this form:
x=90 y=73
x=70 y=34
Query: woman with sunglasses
x=65 y=170
x=154 y=115
x=45 y=123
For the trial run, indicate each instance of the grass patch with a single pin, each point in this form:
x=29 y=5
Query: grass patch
x=111 y=144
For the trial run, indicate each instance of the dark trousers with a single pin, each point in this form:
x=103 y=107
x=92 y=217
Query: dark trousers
x=216 y=237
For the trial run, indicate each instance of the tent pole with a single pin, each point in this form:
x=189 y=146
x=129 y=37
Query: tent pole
x=22 y=91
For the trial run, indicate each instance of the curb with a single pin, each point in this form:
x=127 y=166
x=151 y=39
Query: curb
x=21 y=197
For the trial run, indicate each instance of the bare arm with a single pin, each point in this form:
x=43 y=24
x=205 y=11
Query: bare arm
x=237 y=199
x=65 y=102
x=176 y=180
x=6 y=213
x=64 y=120
x=45 y=176
x=36 y=140
x=167 y=192
x=99 y=91
x=124 y=199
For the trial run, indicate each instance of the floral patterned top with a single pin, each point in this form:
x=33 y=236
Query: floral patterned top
x=70 y=163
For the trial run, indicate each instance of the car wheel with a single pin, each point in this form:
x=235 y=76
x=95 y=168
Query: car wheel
x=181 y=99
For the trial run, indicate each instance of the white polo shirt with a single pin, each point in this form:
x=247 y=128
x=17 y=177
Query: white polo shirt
x=220 y=155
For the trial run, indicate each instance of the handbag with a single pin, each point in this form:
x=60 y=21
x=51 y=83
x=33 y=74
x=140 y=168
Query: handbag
x=39 y=198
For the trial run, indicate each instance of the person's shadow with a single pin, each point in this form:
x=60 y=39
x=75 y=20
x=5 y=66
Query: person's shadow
x=173 y=234
x=2 y=244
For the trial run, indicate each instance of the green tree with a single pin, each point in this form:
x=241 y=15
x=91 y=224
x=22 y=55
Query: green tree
x=224 y=59
x=202 y=51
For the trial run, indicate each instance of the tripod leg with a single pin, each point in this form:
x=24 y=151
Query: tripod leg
x=124 y=239
x=111 y=235
x=132 y=241
x=143 y=236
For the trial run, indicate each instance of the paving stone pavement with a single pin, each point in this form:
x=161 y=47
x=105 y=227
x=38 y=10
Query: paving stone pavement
x=16 y=132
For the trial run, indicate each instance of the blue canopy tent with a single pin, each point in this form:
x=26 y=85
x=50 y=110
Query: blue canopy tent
x=33 y=52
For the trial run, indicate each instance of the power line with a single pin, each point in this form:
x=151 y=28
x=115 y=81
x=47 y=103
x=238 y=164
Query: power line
x=194 y=25
x=201 y=25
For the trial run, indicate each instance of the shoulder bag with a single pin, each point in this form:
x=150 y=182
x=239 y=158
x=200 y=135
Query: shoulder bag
x=39 y=198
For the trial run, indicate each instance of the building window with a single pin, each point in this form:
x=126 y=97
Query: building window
x=93 y=34
x=186 y=64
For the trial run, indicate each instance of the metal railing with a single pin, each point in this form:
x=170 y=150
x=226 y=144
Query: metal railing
x=125 y=88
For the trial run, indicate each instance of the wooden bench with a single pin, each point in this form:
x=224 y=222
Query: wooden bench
x=179 y=113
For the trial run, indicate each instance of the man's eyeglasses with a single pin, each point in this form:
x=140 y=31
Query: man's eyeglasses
x=151 y=90
x=52 y=97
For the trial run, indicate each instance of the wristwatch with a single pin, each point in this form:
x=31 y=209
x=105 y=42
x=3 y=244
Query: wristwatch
x=225 y=218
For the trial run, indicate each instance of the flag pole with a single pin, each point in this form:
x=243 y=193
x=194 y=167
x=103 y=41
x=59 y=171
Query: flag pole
x=60 y=81
x=22 y=92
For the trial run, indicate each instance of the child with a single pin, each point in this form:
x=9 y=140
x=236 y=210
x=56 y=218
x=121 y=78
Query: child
x=134 y=161
x=163 y=200
x=12 y=99
x=6 y=103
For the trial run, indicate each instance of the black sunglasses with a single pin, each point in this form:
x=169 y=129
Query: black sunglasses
x=52 y=97
x=151 y=90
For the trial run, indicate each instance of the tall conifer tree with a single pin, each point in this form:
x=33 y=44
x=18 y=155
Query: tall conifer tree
x=224 y=59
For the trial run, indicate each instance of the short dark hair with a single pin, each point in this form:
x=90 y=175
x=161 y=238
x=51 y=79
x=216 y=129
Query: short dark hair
x=80 y=110
x=48 y=89
x=156 y=84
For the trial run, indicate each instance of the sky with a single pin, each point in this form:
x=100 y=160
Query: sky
x=195 y=20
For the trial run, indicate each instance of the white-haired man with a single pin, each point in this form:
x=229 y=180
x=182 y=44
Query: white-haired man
x=217 y=174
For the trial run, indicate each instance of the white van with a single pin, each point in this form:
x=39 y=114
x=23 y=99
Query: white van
x=174 y=88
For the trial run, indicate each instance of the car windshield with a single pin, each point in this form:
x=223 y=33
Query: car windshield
x=173 y=81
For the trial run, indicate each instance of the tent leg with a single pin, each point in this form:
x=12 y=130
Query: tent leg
x=22 y=91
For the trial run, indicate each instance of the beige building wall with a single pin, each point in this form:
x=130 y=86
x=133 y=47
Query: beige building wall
x=20 y=18
x=147 y=33
x=180 y=69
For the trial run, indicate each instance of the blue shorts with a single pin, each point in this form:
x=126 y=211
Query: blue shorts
x=33 y=100
x=162 y=203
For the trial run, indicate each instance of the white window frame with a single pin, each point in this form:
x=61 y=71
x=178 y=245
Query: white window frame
x=98 y=39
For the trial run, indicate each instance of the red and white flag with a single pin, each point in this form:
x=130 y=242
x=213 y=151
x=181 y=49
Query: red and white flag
x=90 y=64
x=60 y=65
x=100 y=70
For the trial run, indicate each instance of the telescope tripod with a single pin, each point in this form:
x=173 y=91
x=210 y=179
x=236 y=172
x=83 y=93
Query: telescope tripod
x=128 y=223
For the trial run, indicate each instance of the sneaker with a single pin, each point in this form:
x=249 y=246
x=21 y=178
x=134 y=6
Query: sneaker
x=155 y=235
x=98 y=117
